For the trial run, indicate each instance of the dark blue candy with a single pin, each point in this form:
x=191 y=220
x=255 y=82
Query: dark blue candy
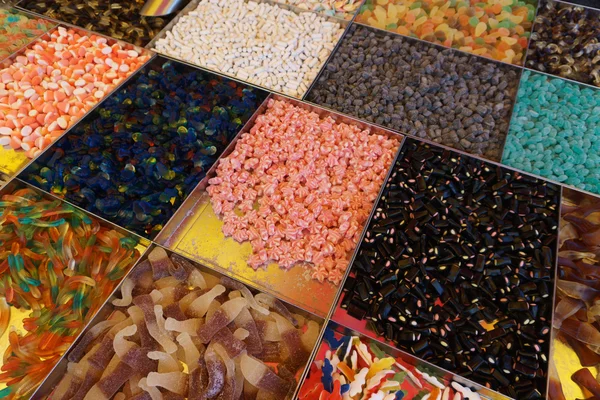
x=138 y=155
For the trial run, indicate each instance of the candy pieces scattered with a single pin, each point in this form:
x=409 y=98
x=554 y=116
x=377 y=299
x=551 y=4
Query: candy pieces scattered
x=442 y=95
x=564 y=42
x=450 y=236
x=554 y=131
x=259 y=43
x=300 y=187
x=357 y=372
x=157 y=343
x=119 y=19
x=58 y=265
x=17 y=29
x=55 y=82
x=497 y=29
x=138 y=155
x=338 y=8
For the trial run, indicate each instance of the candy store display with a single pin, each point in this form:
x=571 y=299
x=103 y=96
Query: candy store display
x=348 y=366
x=256 y=42
x=457 y=268
x=575 y=365
x=497 y=29
x=137 y=156
x=333 y=8
x=554 y=131
x=442 y=95
x=47 y=87
x=17 y=29
x=565 y=42
x=286 y=208
x=119 y=19
x=179 y=331
x=304 y=186
x=57 y=267
x=365 y=161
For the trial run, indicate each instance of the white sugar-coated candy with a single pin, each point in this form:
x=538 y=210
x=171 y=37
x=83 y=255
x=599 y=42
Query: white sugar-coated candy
x=256 y=42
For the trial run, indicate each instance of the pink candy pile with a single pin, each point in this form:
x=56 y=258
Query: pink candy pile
x=300 y=188
x=56 y=81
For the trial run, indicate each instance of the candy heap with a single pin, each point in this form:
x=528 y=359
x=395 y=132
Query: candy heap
x=352 y=368
x=577 y=309
x=120 y=19
x=59 y=265
x=259 y=43
x=497 y=29
x=17 y=30
x=300 y=188
x=55 y=82
x=457 y=268
x=140 y=153
x=554 y=131
x=180 y=333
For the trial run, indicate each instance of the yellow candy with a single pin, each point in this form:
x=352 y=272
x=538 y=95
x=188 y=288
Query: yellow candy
x=392 y=12
x=507 y=2
x=382 y=2
x=445 y=6
x=480 y=28
x=380 y=14
x=493 y=23
x=433 y=11
x=420 y=21
x=517 y=19
x=442 y=27
x=380 y=365
x=508 y=40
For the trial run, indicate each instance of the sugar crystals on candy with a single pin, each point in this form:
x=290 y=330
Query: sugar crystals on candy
x=554 y=131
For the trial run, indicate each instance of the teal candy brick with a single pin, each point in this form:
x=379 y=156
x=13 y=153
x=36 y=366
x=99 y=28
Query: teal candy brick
x=555 y=131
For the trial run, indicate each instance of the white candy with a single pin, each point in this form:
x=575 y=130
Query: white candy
x=255 y=42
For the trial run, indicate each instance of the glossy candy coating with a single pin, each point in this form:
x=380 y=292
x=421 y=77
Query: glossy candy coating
x=139 y=154
x=58 y=265
x=116 y=18
x=565 y=42
x=497 y=29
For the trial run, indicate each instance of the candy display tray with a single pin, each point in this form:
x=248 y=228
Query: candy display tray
x=196 y=232
x=18 y=315
x=48 y=386
x=446 y=377
x=345 y=24
x=11 y=161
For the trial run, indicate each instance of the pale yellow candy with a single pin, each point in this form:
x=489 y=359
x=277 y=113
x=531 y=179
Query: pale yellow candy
x=392 y=12
x=509 y=40
x=442 y=27
x=480 y=28
x=380 y=14
x=434 y=11
x=445 y=6
x=382 y=2
x=493 y=23
x=420 y=21
x=506 y=2
x=517 y=19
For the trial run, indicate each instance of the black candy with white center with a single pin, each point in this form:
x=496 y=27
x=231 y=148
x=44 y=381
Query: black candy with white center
x=457 y=267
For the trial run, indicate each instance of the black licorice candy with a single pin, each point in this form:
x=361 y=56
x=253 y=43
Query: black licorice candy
x=471 y=288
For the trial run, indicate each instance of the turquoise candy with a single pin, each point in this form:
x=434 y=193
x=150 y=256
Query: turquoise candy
x=555 y=131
